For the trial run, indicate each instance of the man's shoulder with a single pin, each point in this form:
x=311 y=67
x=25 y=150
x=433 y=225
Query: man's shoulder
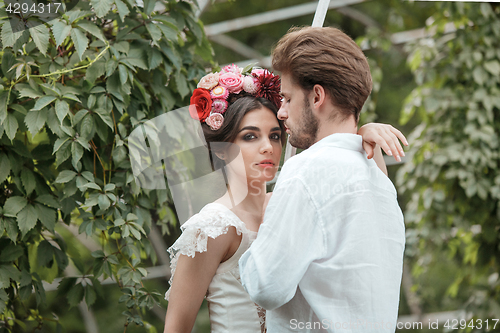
x=322 y=161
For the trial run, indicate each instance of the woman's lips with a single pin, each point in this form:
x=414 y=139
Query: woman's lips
x=266 y=164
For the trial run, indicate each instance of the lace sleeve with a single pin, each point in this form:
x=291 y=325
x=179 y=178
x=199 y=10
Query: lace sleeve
x=211 y=221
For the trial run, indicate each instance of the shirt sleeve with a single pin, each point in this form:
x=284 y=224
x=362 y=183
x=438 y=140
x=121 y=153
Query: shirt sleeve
x=289 y=240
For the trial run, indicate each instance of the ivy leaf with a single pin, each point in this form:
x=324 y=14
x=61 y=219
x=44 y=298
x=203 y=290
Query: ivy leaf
x=10 y=226
x=26 y=219
x=105 y=117
x=92 y=29
x=168 y=32
x=47 y=216
x=97 y=69
x=35 y=120
x=111 y=66
x=87 y=127
x=101 y=7
x=26 y=91
x=11 y=252
x=65 y=176
x=58 y=144
x=154 y=58
x=493 y=67
x=28 y=180
x=45 y=254
x=103 y=202
x=8 y=36
x=61 y=31
x=182 y=85
x=3 y=105
x=123 y=10
x=90 y=295
x=40 y=35
x=62 y=109
x=43 y=102
x=63 y=153
x=80 y=40
x=154 y=31
x=172 y=55
x=4 y=167
x=149 y=6
x=10 y=126
x=49 y=200
x=75 y=295
x=13 y=205
x=76 y=153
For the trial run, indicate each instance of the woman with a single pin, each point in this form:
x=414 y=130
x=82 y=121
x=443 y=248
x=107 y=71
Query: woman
x=204 y=259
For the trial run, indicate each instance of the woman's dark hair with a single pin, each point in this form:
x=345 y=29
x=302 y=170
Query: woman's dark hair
x=232 y=120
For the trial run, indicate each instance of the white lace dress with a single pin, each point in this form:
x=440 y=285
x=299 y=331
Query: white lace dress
x=230 y=307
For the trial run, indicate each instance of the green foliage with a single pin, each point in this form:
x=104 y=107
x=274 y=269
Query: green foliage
x=72 y=91
x=452 y=173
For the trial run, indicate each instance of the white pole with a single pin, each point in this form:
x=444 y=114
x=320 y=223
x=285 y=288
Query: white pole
x=319 y=19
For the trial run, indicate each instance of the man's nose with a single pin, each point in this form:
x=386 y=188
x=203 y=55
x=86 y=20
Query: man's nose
x=282 y=113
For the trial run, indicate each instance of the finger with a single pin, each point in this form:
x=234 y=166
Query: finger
x=399 y=135
x=397 y=143
x=390 y=140
x=369 y=149
x=383 y=144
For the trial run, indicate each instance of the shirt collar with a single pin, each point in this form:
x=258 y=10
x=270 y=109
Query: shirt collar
x=341 y=140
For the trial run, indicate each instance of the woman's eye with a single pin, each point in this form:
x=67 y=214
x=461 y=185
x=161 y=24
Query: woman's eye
x=275 y=136
x=248 y=137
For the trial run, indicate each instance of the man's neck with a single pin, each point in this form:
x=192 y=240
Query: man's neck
x=328 y=128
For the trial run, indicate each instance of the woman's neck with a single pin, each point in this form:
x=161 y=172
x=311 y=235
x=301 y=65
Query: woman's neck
x=246 y=200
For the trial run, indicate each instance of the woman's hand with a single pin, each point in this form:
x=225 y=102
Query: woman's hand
x=386 y=136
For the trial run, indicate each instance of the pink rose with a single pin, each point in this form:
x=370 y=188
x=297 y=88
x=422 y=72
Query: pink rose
x=250 y=84
x=209 y=81
x=215 y=121
x=231 y=69
x=259 y=71
x=233 y=82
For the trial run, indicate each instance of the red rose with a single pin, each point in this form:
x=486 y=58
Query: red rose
x=201 y=104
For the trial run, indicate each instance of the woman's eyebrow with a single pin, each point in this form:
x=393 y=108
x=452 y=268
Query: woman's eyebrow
x=252 y=128
x=275 y=129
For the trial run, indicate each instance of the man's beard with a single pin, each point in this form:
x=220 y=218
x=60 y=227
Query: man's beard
x=305 y=135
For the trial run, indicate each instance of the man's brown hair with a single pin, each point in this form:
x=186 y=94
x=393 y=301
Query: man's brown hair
x=328 y=57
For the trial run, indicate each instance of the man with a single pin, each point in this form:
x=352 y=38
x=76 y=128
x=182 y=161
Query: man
x=329 y=254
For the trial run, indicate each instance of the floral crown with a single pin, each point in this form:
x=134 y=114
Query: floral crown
x=209 y=101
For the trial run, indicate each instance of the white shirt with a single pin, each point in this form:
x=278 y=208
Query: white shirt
x=328 y=256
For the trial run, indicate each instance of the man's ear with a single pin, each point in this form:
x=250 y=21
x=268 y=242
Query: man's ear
x=319 y=96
